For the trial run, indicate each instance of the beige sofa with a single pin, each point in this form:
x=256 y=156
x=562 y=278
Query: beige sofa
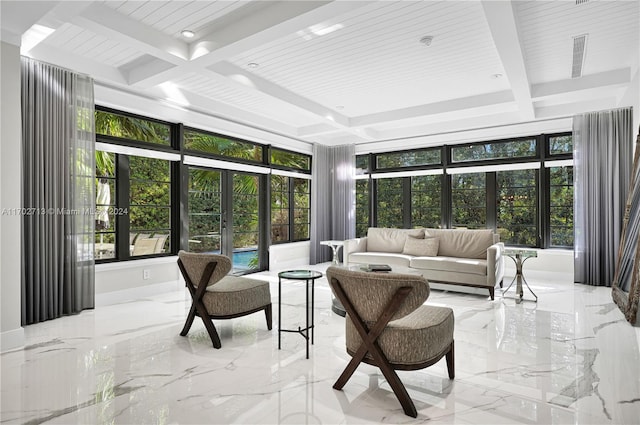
x=454 y=256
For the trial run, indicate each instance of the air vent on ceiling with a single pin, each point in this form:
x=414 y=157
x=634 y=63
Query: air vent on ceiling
x=582 y=1
x=579 y=45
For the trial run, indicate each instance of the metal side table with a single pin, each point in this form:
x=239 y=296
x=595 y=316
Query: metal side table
x=309 y=276
x=519 y=256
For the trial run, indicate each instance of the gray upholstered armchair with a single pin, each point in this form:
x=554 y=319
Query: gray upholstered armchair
x=388 y=326
x=217 y=295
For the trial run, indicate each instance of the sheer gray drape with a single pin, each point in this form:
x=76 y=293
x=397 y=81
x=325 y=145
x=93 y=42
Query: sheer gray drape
x=333 y=198
x=58 y=147
x=602 y=171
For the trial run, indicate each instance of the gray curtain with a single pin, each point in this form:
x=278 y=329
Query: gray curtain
x=333 y=198
x=602 y=171
x=58 y=150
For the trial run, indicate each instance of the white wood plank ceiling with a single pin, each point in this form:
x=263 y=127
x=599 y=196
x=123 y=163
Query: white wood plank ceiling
x=336 y=72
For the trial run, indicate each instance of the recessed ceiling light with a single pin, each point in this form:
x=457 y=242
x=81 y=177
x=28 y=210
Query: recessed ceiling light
x=253 y=65
x=426 y=40
x=187 y=33
x=496 y=76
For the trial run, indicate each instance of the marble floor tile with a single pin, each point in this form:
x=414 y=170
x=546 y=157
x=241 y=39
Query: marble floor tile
x=568 y=359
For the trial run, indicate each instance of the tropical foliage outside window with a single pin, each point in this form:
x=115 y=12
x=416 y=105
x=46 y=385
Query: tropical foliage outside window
x=131 y=128
x=408 y=158
x=390 y=206
x=105 y=236
x=469 y=200
x=290 y=198
x=561 y=205
x=517 y=207
x=150 y=204
x=425 y=201
x=362 y=208
x=560 y=144
x=290 y=160
x=205 y=210
x=497 y=150
x=222 y=146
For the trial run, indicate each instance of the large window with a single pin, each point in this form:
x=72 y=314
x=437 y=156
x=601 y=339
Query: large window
x=522 y=188
x=134 y=199
x=290 y=209
x=561 y=205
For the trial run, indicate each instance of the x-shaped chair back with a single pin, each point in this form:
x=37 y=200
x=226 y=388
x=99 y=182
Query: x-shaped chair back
x=199 y=272
x=371 y=301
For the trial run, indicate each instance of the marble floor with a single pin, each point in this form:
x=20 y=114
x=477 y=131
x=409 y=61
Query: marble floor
x=569 y=359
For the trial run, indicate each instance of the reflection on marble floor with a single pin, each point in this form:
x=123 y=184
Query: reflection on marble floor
x=571 y=358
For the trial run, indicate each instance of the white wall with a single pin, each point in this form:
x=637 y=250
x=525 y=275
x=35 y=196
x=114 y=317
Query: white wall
x=12 y=334
x=118 y=282
x=289 y=255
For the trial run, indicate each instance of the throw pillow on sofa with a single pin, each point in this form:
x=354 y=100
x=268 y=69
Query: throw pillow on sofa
x=427 y=247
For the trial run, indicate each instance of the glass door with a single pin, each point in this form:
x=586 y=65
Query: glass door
x=245 y=231
x=224 y=216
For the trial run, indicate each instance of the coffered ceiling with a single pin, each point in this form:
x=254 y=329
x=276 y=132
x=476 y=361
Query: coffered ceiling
x=336 y=72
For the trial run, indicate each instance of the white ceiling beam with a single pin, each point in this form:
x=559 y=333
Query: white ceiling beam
x=274 y=21
x=66 y=59
x=608 y=79
x=116 y=26
x=571 y=109
x=260 y=84
x=185 y=98
x=436 y=108
x=502 y=23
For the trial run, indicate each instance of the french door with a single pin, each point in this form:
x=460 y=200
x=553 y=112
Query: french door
x=224 y=216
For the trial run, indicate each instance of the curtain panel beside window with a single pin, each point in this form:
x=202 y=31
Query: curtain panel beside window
x=602 y=166
x=333 y=198
x=58 y=148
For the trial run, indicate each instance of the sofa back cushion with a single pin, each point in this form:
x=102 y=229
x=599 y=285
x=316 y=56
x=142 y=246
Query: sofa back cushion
x=462 y=243
x=381 y=239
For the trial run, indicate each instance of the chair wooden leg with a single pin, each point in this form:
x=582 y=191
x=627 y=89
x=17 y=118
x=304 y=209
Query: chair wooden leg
x=347 y=372
x=399 y=389
x=451 y=365
x=189 y=321
x=492 y=293
x=211 y=330
x=268 y=313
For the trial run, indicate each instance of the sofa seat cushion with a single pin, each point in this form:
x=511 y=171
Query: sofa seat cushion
x=403 y=340
x=391 y=259
x=380 y=239
x=450 y=264
x=462 y=243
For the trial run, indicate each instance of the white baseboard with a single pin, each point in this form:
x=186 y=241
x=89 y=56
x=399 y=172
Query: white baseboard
x=117 y=297
x=10 y=340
